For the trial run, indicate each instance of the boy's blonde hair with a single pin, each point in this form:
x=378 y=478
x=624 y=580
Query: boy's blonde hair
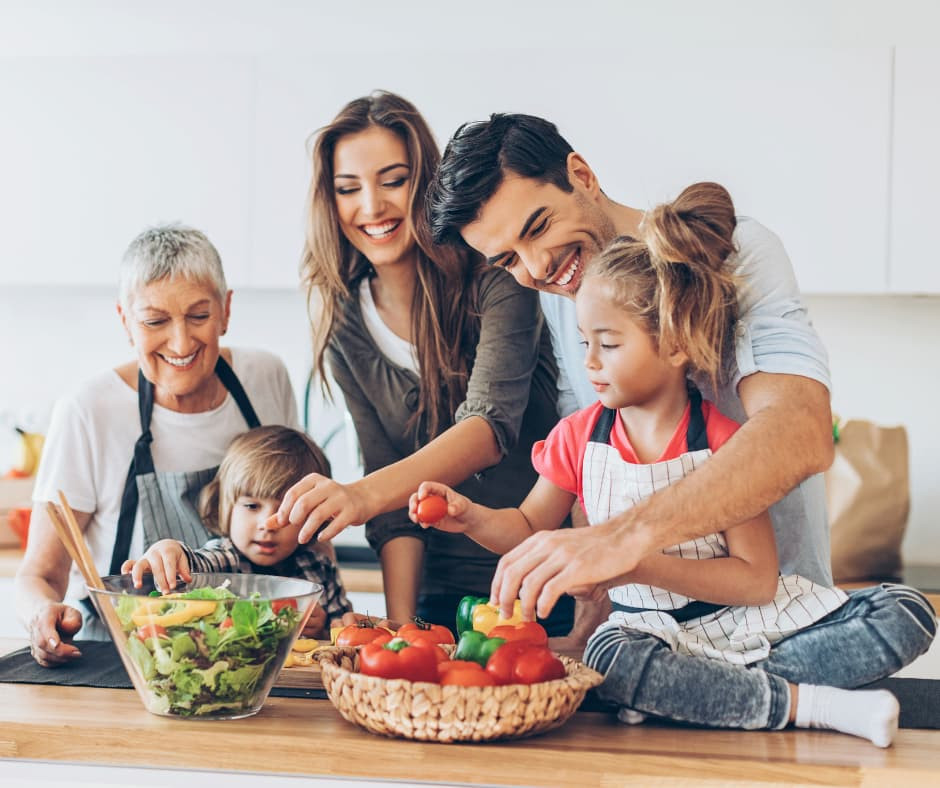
x=261 y=463
x=675 y=281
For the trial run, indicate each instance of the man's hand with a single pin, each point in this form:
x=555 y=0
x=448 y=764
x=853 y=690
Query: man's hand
x=551 y=563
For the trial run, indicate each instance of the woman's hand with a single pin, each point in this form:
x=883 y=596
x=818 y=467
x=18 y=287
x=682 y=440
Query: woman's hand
x=324 y=507
x=165 y=560
x=423 y=509
x=49 y=630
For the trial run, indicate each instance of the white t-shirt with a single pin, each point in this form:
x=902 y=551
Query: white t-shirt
x=94 y=428
x=397 y=350
x=773 y=334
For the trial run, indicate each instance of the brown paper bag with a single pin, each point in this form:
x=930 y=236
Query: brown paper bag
x=868 y=496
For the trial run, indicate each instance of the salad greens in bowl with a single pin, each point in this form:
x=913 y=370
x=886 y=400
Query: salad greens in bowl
x=213 y=648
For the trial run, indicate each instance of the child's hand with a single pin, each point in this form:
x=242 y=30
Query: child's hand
x=437 y=505
x=165 y=560
x=316 y=625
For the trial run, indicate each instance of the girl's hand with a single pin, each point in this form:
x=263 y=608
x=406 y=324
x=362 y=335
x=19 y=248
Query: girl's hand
x=316 y=624
x=423 y=508
x=318 y=503
x=165 y=560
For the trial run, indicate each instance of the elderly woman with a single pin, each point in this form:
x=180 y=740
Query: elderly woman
x=169 y=414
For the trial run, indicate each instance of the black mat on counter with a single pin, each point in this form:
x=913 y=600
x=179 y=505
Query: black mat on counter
x=99 y=666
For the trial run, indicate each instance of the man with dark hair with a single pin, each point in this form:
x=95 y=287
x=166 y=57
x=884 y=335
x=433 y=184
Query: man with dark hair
x=513 y=189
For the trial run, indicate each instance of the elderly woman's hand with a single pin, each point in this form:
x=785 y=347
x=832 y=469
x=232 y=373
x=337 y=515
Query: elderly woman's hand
x=50 y=629
x=322 y=503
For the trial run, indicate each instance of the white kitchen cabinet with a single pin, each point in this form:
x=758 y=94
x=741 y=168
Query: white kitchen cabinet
x=94 y=149
x=913 y=266
x=102 y=146
x=800 y=136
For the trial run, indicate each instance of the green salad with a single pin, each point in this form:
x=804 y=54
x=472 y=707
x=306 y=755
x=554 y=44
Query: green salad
x=206 y=652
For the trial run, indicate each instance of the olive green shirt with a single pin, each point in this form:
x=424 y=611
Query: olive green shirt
x=512 y=384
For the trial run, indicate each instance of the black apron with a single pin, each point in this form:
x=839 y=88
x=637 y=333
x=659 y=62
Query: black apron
x=168 y=501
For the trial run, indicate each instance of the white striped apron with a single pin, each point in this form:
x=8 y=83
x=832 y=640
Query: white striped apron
x=738 y=634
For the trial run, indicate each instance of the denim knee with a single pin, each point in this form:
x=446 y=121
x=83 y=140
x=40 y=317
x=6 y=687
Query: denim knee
x=919 y=613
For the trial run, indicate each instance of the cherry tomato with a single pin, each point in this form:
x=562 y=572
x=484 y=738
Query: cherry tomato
x=420 y=629
x=362 y=633
x=432 y=509
x=226 y=623
x=279 y=604
x=148 y=631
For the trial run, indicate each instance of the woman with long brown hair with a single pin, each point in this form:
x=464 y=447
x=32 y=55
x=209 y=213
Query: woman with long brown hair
x=444 y=364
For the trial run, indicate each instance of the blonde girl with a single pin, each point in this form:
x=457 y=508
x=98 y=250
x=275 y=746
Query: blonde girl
x=706 y=632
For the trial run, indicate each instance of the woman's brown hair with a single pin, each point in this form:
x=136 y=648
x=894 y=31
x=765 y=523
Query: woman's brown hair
x=260 y=463
x=445 y=318
x=676 y=280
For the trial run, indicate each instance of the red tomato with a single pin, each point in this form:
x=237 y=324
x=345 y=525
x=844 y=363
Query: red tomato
x=432 y=509
x=279 y=604
x=421 y=630
x=502 y=661
x=362 y=633
x=439 y=654
x=454 y=664
x=538 y=664
x=398 y=660
x=528 y=631
x=148 y=631
x=226 y=623
x=524 y=663
x=467 y=677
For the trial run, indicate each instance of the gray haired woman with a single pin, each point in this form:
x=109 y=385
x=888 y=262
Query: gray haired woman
x=132 y=447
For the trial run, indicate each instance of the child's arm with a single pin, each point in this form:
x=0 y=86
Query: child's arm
x=748 y=576
x=498 y=530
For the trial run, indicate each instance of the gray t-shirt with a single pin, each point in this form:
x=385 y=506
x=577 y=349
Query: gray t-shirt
x=773 y=334
x=512 y=384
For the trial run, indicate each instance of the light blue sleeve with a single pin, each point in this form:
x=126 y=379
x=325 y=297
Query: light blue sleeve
x=774 y=333
x=574 y=389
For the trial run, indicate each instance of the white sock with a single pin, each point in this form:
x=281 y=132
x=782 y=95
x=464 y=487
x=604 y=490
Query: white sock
x=870 y=714
x=631 y=716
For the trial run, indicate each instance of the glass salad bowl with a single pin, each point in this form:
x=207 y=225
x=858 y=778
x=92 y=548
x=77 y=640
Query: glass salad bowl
x=214 y=647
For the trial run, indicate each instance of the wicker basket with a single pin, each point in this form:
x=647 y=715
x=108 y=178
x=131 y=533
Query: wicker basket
x=430 y=712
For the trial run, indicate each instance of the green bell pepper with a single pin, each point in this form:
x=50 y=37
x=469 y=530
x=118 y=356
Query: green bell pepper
x=477 y=647
x=465 y=612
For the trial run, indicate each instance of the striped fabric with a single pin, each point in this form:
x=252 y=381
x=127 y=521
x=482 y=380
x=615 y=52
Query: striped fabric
x=738 y=635
x=220 y=555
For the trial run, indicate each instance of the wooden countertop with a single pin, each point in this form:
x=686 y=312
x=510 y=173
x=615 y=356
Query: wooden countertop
x=308 y=737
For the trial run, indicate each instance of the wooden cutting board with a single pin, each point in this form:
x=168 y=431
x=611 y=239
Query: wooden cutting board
x=300 y=677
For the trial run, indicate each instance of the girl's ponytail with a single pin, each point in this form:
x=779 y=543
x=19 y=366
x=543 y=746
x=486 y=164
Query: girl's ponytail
x=690 y=240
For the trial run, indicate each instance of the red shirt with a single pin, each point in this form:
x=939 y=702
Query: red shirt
x=560 y=457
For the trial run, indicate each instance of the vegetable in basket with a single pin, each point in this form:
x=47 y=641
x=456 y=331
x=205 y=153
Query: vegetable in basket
x=524 y=663
x=399 y=659
x=476 y=612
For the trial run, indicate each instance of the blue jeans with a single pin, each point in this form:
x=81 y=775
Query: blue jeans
x=876 y=633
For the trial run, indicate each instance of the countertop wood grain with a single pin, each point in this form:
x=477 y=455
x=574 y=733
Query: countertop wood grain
x=308 y=737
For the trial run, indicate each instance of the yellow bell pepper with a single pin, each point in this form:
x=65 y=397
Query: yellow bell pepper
x=182 y=610
x=486 y=617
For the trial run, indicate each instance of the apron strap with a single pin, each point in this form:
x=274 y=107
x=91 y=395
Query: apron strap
x=696 y=438
x=230 y=380
x=142 y=462
x=603 y=426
